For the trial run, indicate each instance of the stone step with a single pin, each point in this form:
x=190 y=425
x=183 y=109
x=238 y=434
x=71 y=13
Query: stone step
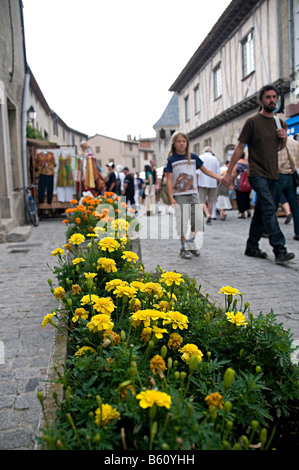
x=19 y=234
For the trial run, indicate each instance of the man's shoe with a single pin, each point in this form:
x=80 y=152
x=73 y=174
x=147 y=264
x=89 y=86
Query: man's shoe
x=296 y=237
x=185 y=254
x=256 y=254
x=209 y=220
x=288 y=219
x=283 y=258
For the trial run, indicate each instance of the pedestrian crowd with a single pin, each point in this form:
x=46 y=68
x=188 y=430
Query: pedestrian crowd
x=261 y=172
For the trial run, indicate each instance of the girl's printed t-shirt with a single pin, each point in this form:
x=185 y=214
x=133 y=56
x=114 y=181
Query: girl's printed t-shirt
x=184 y=177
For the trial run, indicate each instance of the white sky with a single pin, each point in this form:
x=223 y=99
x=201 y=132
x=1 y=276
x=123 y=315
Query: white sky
x=105 y=66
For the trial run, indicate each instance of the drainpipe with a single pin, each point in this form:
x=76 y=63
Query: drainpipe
x=24 y=129
x=291 y=46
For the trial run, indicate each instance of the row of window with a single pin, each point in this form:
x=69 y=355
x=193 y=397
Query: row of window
x=247 y=68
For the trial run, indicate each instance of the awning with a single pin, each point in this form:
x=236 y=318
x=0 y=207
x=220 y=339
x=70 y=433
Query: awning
x=293 y=125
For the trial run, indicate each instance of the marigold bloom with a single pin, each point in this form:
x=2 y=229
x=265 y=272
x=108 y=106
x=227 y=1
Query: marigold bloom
x=59 y=292
x=137 y=285
x=77 y=260
x=85 y=349
x=99 y=323
x=238 y=318
x=214 y=400
x=150 y=397
x=76 y=289
x=146 y=316
x=109 y=244
x=164 y=306
x=123 y=290
x=77 y=239
x=104 y=305
x=77 y=220
x=80 y=312
x=90 y=275
x=107 y=264
x=112 y=284
x=176 y=319
x=130 y=256
x=153 y=288
x=74 y=201
x=114 y=337
x=174 y=341
x=134 y=305
x=57 y=251
x=158 y=332
x=48 y=318
x=227 y=290
x=190 y=350
x=65 y=221
x=89 y=299
x=171 y=278
x=106 y=413
x=157 y=364
x=146 y=334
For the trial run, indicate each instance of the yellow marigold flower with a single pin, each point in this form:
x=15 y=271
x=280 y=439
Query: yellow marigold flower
x=91 y=235
x=67 y=246
x=77 y=260
x=214 y=400
x=146 y=334
x=104 y=305
x=120 y=225
x=171 y=278
x=157 y=364
x=150 y=397
x=138 y=285
x=227 y=290
x=130 y=256
x=190 y=350
x=98 y=230
x=238 y=318
x=80 y=313
x=174 y=341
x=99 y=323
x=109 y=244
x=114 y=337
x=158 y=332
x=124 y=391
x=48 y=318
x=106 y=413
x=89 y=299
x=123 y=290
x=76 y=289
x=59 y=292
x=134 y=305
x=146 y=316
x=107 y=264
x=85 y=349
x=153 y=288
x=57 y=251
x=77 y=239
x=176 y=319
x=164 y=306
x=90 y=275
x=112 y=284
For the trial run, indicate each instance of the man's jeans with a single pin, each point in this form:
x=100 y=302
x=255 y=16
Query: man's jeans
x=287 y=187
x=264 y=218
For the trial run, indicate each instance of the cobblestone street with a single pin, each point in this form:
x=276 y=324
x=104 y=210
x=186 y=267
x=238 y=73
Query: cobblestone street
x=26 y=298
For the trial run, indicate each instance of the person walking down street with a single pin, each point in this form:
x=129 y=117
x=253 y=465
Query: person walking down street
x=263 y=139
x=164 y=192
x=119 y=181
x=139 y=183
x=242 y=197
x=223 y=203
x=149 y=191
x=110 y=178
x=156 y=183
x=207 y=186
x=129 y=188
x=288 y=161
x=182 y=189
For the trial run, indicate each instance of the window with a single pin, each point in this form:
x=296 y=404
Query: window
x=217 y=82
x=196 y=100
x=98 y=149
x=187 y=111
x=248 y=54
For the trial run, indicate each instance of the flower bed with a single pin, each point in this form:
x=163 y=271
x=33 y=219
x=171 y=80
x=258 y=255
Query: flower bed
x=152 y=364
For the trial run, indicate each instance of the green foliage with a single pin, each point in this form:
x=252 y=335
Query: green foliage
x=236 y=382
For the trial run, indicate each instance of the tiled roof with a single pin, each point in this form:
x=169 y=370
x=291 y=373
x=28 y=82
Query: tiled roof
x=170 y=116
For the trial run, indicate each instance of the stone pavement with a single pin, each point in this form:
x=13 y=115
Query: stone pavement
x=26 y=298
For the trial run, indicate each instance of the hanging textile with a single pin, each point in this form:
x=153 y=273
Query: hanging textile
x=89 y=181
x=65 y=181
